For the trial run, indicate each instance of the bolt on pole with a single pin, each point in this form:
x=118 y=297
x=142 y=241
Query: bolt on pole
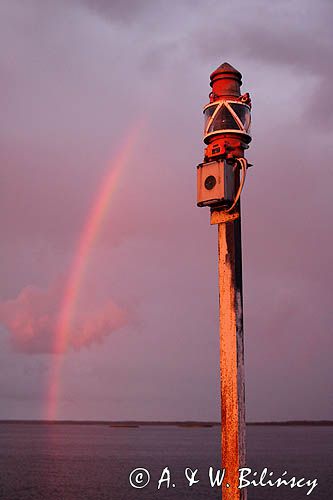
x=220 y=180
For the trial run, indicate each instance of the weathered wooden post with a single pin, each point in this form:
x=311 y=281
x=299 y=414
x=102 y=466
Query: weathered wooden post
x=221 y=178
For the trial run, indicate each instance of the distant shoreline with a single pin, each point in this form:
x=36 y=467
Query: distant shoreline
x=140 y=423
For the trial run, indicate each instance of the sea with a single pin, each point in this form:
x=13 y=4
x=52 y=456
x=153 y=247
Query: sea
x=157 y=462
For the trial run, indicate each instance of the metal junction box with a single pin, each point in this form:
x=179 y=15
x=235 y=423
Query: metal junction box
x=215 y=183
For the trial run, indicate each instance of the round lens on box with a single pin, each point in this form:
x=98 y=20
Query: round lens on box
x=210 y=182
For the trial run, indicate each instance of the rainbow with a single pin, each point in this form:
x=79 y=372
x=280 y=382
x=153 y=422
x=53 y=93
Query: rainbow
x=89 y=234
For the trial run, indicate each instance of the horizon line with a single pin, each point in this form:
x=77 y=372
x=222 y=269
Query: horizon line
x=160 y=422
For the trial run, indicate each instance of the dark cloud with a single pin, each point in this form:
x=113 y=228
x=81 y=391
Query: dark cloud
x=286 y=37
x=123 y=11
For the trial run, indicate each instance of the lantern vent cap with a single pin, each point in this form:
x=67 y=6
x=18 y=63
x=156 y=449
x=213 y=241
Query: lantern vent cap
x=225 y=70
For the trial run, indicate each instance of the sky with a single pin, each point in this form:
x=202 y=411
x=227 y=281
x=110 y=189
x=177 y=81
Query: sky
x=101 y=132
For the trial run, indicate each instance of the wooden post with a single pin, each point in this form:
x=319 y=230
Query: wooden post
x=231 y=356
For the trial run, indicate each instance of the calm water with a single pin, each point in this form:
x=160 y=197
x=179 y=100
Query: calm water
x=93 y=462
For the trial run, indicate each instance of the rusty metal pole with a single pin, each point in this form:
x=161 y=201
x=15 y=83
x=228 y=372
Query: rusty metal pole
x=227 y=135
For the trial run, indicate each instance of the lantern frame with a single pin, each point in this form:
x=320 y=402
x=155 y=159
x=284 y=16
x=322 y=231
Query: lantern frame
x=241 y=128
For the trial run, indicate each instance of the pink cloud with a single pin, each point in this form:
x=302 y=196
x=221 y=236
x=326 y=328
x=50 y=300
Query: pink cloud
x=31 y=320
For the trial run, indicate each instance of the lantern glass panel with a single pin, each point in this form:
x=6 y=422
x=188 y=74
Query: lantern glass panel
x=208 y=113
x=243 y=114
x=223 y=121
